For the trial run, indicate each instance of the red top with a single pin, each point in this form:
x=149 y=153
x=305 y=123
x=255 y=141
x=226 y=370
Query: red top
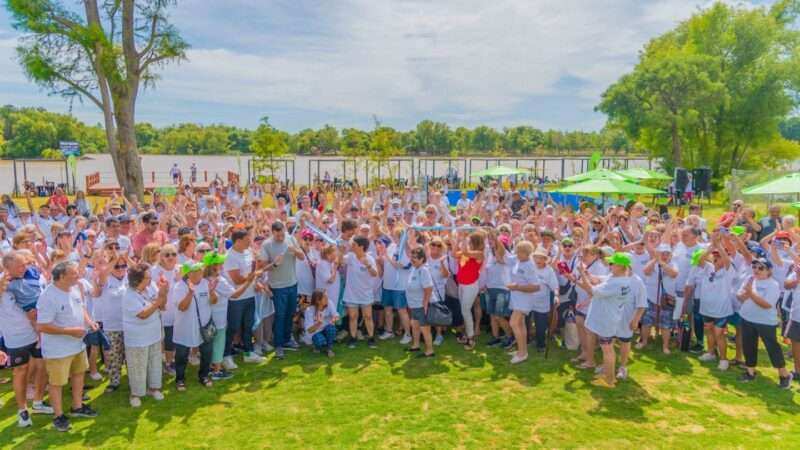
x=468 y=272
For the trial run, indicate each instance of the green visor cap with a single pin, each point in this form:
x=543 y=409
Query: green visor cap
x=188 y=268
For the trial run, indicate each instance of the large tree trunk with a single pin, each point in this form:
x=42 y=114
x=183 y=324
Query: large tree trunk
x=126 y=161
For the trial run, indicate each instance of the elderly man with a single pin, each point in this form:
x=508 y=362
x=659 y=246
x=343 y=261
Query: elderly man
x=63 y=320
x=771 y=222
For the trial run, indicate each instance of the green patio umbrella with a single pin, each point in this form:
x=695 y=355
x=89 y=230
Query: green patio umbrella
x=598 y=174
x=787 y=184
x=607 y=186
x=500 y=171
x=644 y=174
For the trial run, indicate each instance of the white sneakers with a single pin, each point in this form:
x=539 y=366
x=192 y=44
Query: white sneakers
x=518 y=359
x=228 y=364
x=723 y=365
x=157 y=395
x=136 y=402
x=252 y=358
x=96 y=376
x=386 y=335
x=622 y=373
x=406 y=339
x=41 y=408
x=438 y=340
x=24 y=419
x=707 y=357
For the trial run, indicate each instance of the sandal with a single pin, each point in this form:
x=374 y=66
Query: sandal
x=470 y=344
x=206 y=382
x=180 y=386
x=426 y=355
x=586 y=366
x=412 y=349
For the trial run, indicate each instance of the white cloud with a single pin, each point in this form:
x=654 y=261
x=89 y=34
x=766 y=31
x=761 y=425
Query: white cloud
x=471 y=61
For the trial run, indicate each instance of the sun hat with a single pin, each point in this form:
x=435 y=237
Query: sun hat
x=540 y=251
x=662 y=248
x=606 y=250
x=738 y=230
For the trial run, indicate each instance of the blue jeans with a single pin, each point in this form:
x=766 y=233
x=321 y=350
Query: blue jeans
x=324 y=338
x=241 y=315
x=285 y=300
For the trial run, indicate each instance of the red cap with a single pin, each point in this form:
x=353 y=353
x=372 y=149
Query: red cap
x=783 y=235
x=727 y=219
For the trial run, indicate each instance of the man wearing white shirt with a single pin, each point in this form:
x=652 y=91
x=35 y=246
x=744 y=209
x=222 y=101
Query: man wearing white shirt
x=63 y=320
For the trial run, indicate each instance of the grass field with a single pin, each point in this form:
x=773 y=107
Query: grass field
x=386 y=399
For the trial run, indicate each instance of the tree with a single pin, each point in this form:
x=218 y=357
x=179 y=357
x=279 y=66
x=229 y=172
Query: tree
x=269 y=143
x=384 y=143
x=790 y=128
x=432 y=137
x=485 y=139
x=104 y=55
x=714 y=89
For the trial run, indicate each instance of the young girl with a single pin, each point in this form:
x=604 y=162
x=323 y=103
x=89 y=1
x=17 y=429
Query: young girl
x=328 y=278
x=318 y=321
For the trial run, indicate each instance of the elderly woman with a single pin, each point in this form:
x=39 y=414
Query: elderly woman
x=759 y=297
x=141 y=324
x=167 y=266
x=109 y=290
x=419 y=294
x=194 y=297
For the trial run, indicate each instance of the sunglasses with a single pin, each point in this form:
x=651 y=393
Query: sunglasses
x=759 y=267
x=153 y=223
x=203 y=251
x=436 y=245
x=120 y=266
x=113 y=247
x=567 y=245
x=170 y=255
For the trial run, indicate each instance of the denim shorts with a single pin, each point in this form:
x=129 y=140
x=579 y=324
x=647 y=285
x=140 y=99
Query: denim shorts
x=498 y=302
x=665 y=320
x=721 y=322
x=96 y=339
x=418 y=314
x=393 y=299
x=734 y=319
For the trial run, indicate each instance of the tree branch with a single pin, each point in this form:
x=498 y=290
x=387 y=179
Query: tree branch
x=153 y=34
x=80 y=89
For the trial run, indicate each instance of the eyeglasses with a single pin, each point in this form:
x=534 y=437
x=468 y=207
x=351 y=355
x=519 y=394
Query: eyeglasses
x=205 y=250
x=435 y=244
x=759 y=267
x=154 y=223
x=170 y=255
x=113 y=246
x=567 y=245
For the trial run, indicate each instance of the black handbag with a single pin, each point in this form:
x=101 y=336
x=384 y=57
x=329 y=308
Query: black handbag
x=439 y=315
x=207 y=331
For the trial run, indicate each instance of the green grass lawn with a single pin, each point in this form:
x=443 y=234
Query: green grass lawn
x=384 y=398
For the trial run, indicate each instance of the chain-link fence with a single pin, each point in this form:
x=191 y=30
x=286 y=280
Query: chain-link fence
x=741 y=179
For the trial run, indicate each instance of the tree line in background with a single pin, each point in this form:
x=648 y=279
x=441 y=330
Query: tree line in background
x=716 y=91
x=34 y=133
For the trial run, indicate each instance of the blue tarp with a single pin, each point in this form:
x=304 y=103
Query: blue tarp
x=571 y=200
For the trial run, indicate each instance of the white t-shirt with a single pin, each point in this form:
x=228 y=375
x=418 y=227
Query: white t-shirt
x=219 y=310
x=243 y=261
x=360 y=284
x=651 y=283
x=439 y=282
x=173 y=278
x=682 y=257
x=614 y=302
x=65 y=310
x=768 y=290
x=17 y=329
x=712 y=289
x=548 y=283
x=419 y=279
x=324 y=272
x=186 y=330
x=396 y=279
x=794 y=312
x=305 y=276
x=523 y=273
x=498 y=275
x=596 y=269
x=310 y=316
x=110 y=303
x=140 y=332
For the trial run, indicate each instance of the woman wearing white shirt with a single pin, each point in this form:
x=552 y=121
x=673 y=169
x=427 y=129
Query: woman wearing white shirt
x=712 y=281
x=792 y=330
x=592 y=269
x=419 y=293
x=437 y=263
x=659 y=279
x=361 y=273
x=109 y=290
x=141 y=323
x=759 y=297
x=167 y=266
x=193 y=297
x=522 y=287
x=318 y=321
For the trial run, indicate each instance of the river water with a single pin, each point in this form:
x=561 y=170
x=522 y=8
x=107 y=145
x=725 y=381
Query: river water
x=300 y=169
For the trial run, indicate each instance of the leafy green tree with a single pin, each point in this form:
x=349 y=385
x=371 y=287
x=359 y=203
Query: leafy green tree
x=484 y=139
x=104 y=54
x=268 y=144
x=432 y=137
x=326 y=139
x=790 y=128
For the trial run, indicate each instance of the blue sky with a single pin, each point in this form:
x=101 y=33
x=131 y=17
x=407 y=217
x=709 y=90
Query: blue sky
x=308 y=63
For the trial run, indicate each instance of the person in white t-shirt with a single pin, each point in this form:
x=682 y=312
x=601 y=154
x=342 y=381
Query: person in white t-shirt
x=522 y=285
x=318 y=320
x=396 y=268
x=141 y=323
x=419 y=294
x=167 y=266
x=193 y=297
x=110 y=287
x=21 y=341
x=659 y=278
x=361 y=274
x=616 y=309
x=63 y=320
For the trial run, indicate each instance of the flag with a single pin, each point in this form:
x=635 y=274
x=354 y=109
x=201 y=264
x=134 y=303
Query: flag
x=594 y=160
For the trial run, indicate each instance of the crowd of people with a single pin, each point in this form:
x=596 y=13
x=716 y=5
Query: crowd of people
x=216 y=279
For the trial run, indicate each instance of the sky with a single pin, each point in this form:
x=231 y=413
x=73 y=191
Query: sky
x=307 y=63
